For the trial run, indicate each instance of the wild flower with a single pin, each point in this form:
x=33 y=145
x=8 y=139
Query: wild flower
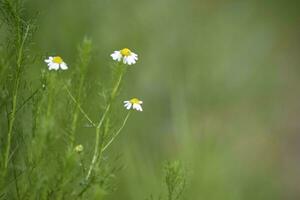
x=126 y=54
x=134 y=103
x=55 y=63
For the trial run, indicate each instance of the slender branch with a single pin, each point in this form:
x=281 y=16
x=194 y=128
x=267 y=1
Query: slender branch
x=96 y=151
x=16 y=183
x=28 y=99
x=14 y=101
x=79 y=107
x=104 y=148
x=97 y=154
x=117 y=133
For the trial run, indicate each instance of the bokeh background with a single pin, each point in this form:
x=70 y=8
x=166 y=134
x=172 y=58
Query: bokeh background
x=219 y=81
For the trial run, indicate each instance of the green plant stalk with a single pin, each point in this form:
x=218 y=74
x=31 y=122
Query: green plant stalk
x=108 y=144
x=28 y=99
x=76 y=111
x=51 y=91
x=117 y=133
x=14 y=101
x=36 y=111
x=79 y=107
x=84 y=52
x=98 y=153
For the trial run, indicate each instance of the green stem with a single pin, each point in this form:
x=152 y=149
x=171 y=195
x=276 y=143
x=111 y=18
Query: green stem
x=14 y=101
x=28 y=99
x=51 y=92
x=96 y=151
x=79 y=107
x=97 y=154
x=117 y=133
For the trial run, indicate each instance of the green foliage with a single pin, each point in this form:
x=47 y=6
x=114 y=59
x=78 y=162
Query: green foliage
x=40 y=158
x=78 y=79
x=19 y=31
x=175 y=179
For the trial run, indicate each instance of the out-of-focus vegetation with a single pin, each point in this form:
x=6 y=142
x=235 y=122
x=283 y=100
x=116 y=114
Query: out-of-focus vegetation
x=219 y=81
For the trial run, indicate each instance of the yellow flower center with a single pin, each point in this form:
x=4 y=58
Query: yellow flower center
x=125 y=52
x=57 y=60
x=135 y=101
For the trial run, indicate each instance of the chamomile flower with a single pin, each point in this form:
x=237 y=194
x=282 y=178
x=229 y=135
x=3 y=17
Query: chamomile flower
x=134 y=104
x=125 y=55
x=55 y=63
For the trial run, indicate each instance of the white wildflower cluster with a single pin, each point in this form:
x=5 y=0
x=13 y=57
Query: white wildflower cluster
x=129 y=58
x=125 y=55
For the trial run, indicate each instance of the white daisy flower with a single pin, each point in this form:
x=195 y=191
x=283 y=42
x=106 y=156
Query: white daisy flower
x=134 y=104
x=55 y=63
x=126 y=55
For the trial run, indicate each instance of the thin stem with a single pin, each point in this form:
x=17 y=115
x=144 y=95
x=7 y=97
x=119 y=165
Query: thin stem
x=106 y=146
x=82 y=164
x=96 y=151
x=79 y=107
x=16 y=183
x=51 y=91
x=97 y=154
x=117 y=133
x=28 y=99
x=14 y=101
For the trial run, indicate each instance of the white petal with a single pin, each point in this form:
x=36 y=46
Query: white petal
x=50 y=59
x=116 y=56
x=140 y=102
x=55 y=66
x=128 y=106
x=139 y=107
x=131 y=59
x=125 y=60
x=135 y=106
x=63 y=66
x=126 y=101
x=134 y=55
x=50 y=66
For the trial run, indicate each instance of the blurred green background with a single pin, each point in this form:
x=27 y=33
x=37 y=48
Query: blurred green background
x=219 y=81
